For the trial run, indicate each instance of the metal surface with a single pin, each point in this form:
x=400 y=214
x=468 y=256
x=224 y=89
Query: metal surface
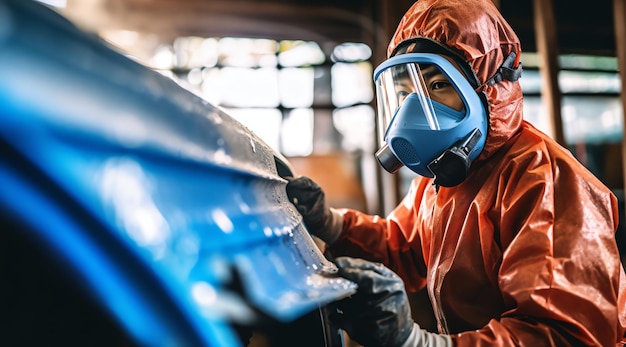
x=158 y=201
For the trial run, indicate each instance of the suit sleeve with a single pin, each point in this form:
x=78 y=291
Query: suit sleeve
x=395 y=241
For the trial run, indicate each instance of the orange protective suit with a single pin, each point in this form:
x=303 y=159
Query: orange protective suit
x=523 y=252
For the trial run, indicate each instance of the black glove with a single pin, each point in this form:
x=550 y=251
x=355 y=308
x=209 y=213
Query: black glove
x=310 y=200
x=379 y=313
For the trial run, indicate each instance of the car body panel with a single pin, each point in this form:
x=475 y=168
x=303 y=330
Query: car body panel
x=157 y=200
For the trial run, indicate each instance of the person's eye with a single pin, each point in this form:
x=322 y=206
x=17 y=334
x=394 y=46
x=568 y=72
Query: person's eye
x=440 y=85
x=401 y=94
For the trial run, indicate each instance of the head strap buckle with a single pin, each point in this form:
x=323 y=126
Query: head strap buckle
x=507 y=71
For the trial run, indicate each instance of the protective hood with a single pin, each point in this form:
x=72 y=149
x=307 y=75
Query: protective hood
x=476 y=31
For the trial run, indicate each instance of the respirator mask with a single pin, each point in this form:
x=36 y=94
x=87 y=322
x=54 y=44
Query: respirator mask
x=430 y=119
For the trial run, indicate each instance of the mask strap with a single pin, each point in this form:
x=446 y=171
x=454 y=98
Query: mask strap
x=507 y=71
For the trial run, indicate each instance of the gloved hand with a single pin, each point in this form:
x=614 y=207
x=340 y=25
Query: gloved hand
x=379 y=314
x=310 y=200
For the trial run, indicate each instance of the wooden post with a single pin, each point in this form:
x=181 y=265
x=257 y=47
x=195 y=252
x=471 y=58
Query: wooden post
x=545 y=35
x=391 y=13
x=619 y=12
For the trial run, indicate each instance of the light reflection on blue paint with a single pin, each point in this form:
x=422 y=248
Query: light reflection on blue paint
x=222 y=220
x=125 y=187
x=204 y=294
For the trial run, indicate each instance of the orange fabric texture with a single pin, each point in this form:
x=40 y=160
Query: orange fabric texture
x=523 y=252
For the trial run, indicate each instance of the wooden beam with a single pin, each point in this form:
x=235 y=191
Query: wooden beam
x=281 y=20
x=619 y=13
x=389 y=15
x=545 y=34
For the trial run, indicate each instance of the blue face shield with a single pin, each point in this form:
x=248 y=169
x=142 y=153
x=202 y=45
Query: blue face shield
x=429 y=117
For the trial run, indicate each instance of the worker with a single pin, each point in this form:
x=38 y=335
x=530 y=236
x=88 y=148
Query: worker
x=512 y=237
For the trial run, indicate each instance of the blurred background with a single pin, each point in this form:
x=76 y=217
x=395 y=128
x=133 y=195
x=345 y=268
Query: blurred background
x=299 y=74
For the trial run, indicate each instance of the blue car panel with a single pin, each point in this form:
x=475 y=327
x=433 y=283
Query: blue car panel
x=159 y=201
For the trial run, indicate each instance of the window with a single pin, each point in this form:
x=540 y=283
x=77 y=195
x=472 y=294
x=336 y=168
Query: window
x=292 y=94
x=591 y=110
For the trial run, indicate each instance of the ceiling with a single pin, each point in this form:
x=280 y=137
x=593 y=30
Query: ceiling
x=581 y=28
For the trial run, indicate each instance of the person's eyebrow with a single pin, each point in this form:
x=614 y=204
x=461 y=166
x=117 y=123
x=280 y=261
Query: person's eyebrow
x=430 y=71
x=402 y=84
